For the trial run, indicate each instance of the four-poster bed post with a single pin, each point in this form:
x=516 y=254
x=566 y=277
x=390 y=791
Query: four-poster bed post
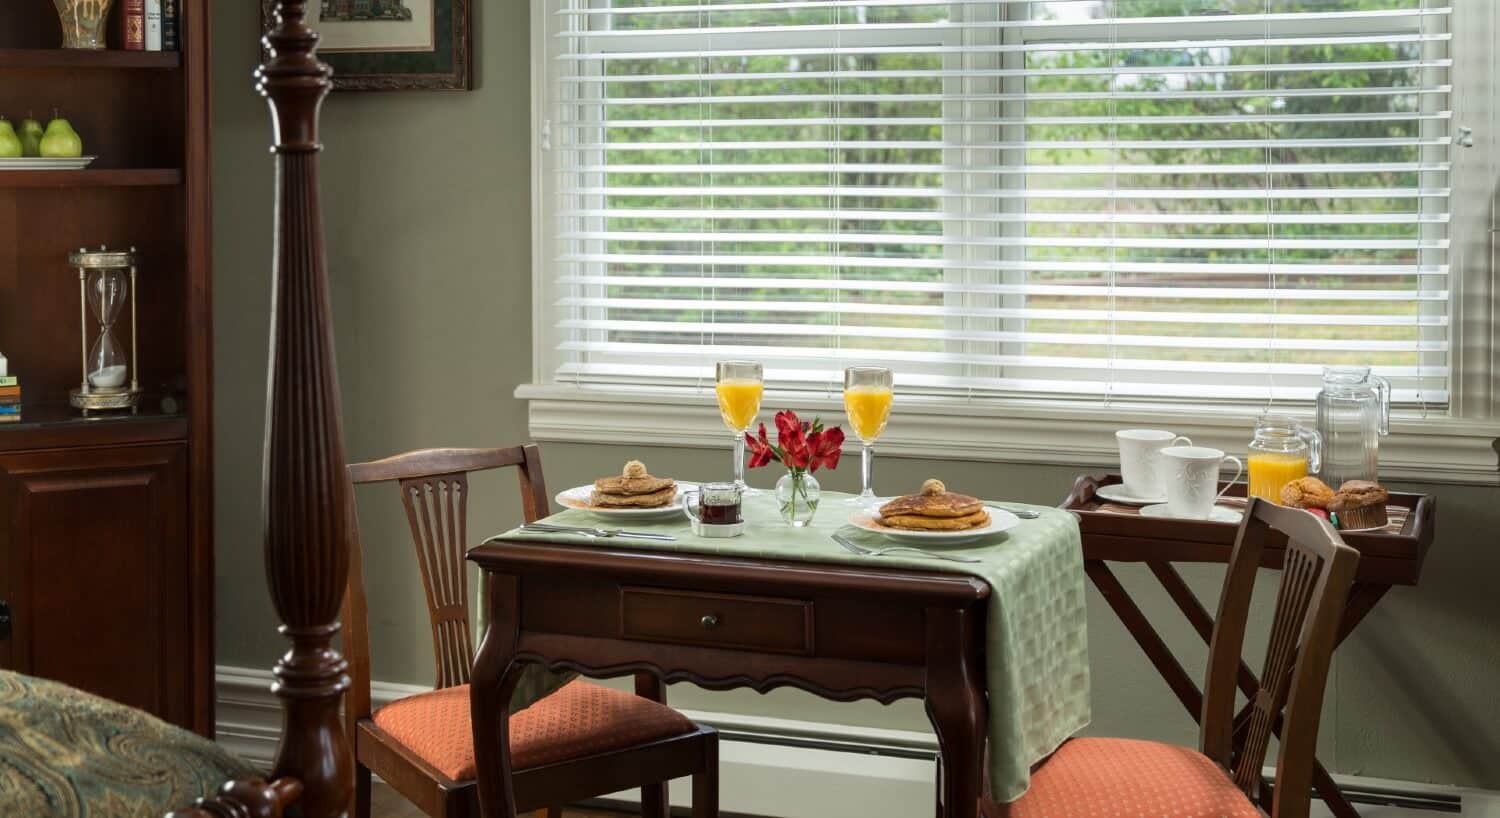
x=306 y=492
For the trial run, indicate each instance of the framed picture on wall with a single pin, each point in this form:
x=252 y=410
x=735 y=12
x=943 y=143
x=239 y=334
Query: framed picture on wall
x=392 y=45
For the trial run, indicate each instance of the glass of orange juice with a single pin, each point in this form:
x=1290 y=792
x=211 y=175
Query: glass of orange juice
x=868 y=392
x=739 y=385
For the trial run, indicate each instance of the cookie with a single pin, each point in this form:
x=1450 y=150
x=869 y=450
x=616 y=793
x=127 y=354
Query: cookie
x=934 y=501
x=633 y=480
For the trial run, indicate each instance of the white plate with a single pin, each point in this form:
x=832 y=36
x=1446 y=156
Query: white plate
x=1219 y=514
x=46 y=163
x=1116 y=493
x=578 y=498
x=1000 y=520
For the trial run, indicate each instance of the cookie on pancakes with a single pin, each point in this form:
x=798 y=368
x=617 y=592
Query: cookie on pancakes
x=633 y=488
x=935 y=509
x=934 y=501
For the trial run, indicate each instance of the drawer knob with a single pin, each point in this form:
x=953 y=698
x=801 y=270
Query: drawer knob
x=709 y=622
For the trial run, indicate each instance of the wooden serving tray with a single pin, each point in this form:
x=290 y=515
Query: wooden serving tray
x=1119 y=533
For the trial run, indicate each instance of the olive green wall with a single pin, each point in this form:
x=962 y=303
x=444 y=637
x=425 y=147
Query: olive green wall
x=427 y=202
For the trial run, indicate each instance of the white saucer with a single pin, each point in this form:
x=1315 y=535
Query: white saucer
x=1219 y=514
x=1116 y=493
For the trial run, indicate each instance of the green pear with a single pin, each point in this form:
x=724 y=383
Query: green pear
x=10 y=144
x=31 y=136
x=60 y=140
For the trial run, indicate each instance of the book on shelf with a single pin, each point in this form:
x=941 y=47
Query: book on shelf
x=10 y=409
x=169 y=34
x=10 y=394
x=133 y=24
x=153 y=25
x=9 y=380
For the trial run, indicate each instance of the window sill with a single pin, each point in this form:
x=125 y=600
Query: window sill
x=1426 y=450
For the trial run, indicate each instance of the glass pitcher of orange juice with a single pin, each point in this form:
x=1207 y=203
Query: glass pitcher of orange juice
x=1283 y=450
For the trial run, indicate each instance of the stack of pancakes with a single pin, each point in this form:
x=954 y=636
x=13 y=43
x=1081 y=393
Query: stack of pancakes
x=633 y=488
x=935 y=509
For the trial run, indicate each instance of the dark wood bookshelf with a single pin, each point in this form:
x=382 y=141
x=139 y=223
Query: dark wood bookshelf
x=117 y=177
x=73 y=58
x=111 y=513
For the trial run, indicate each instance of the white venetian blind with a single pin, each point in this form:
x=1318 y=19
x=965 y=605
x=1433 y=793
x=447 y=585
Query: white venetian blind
x=1199 y=199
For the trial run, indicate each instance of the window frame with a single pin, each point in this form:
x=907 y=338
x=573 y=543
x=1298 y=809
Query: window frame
x=1458 y=446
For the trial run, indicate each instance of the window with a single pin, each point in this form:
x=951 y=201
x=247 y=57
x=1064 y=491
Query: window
x=1096 y=199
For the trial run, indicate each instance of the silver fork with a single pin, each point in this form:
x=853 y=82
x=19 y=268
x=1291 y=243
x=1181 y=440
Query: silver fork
x=855 y=548
x=600 y=533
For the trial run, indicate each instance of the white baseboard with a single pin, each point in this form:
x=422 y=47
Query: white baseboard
x=771 y=767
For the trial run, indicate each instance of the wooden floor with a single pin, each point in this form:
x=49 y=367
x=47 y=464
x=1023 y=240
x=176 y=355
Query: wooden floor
x=387 y=803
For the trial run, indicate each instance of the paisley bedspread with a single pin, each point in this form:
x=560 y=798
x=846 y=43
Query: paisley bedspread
x=68 y=754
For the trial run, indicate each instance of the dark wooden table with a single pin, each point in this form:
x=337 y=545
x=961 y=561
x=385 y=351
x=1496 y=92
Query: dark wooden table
x=840 y=632
x=1111 y=533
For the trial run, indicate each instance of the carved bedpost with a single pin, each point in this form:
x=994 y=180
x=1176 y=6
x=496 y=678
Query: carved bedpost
x=303 y=502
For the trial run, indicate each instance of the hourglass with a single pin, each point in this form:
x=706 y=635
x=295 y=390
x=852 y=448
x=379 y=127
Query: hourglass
x=106 y=281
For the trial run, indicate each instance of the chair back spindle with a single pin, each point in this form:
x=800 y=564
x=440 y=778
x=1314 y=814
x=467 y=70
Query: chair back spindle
x=437 y=511
x=1316 y=576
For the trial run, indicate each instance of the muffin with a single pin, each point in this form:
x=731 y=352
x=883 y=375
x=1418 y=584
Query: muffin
x=1360 y=504
x=1306 y=492
x=934 y=509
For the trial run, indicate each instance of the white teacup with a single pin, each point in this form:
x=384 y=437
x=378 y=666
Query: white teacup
x=1192 y=476
x=1140 y=460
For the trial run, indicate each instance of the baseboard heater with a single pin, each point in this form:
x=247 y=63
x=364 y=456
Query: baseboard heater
x=1404 y=799
x=1356 y=793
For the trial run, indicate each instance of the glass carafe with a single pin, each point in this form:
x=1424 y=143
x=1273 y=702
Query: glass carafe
x=1354 y=410
x=1283 y=450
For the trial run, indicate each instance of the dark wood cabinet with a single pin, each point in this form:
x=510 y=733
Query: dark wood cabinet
x=106 y=522
x=96 y=572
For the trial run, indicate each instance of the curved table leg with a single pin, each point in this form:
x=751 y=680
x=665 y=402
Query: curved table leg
x=957 y=708
x=490 y=686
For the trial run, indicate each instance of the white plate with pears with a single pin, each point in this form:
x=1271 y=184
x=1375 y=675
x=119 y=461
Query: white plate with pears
x=46 y=163
x=634 y=494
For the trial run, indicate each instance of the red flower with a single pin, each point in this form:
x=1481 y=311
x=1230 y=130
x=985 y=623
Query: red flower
x=826 y=447
x=761 y=452
x=800 y=446
x=791 y=438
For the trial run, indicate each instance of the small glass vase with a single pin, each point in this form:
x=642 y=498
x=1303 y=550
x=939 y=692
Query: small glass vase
x=797 y=497
x=83 y=22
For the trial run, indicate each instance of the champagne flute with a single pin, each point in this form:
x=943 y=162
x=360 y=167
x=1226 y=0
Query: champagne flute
x=868 y=392
x=739 y=385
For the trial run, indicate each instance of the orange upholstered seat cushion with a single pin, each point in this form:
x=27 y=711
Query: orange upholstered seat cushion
x=579 y=719
x=1124 y=778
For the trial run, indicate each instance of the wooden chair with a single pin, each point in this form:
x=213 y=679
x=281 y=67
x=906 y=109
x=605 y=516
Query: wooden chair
x=1113 y=778
x=582 y=741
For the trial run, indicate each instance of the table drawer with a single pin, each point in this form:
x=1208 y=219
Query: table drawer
x=771 y=624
